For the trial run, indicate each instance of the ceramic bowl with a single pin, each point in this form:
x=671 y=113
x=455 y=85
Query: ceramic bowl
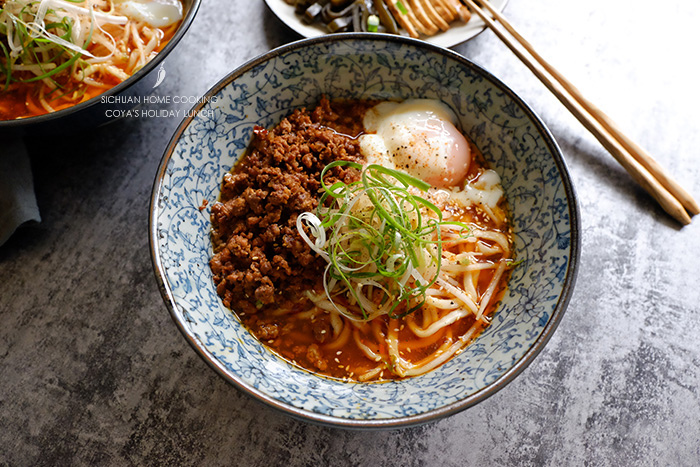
x=366 y=66
x=100 y=109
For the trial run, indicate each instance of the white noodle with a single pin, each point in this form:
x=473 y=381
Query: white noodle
x=446 y=320
x=442 y=303
x=492 y=287
x=366 y=350
x=458 y=294
x=336 y=323
x=371 y=374
x=443 y=356
x=496 y=237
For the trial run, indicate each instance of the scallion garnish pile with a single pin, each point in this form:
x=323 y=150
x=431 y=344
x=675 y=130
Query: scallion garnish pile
x=39 y=39
x=381 y=239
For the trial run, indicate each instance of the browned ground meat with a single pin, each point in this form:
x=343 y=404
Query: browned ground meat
x=313 y=354
x=260 y=259
x=268 y=331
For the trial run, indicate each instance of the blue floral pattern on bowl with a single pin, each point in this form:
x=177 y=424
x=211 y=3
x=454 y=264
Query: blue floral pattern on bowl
x=261 y=92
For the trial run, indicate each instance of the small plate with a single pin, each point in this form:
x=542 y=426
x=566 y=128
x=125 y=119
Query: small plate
x=457 y=34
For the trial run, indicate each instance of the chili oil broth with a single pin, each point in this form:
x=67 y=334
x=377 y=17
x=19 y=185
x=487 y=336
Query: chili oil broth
x=348 y=362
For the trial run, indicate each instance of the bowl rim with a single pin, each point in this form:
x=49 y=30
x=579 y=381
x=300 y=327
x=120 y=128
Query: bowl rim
x=21 y=123
x=399 y=422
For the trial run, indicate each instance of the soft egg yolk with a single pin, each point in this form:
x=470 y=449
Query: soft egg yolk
x=429 y=148
x=418 y=137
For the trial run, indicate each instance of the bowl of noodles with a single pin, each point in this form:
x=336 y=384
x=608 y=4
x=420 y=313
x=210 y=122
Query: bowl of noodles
x=72 y=64
x=364 y=231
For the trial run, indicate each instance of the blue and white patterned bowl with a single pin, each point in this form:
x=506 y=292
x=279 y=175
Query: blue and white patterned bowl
x=261 y=92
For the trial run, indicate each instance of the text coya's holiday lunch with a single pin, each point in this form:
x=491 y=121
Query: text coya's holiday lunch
x=160 y=113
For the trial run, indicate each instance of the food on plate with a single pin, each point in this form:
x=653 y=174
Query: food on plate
x=365 y=241
x=57 y=53
x=416 y=17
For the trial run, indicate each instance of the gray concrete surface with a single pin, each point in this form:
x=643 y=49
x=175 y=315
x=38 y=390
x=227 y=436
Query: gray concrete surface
x=94 y=372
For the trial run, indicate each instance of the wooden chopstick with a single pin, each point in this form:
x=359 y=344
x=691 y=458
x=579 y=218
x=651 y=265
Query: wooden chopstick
x=638 y=163
x=639 y=154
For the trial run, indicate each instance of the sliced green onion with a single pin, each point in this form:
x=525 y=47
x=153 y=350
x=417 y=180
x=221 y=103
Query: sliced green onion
x=373 y=23
x=378 y=233
x=6 y=68
x=401 y=8
x=36 y=37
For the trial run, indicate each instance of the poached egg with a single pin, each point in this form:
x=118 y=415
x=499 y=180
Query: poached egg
x=419 y=137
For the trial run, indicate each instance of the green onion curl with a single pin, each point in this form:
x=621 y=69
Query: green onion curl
x=377 y=232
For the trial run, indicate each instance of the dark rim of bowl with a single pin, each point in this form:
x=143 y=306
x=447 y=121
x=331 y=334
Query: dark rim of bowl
x=126 y=84
x=399 y=422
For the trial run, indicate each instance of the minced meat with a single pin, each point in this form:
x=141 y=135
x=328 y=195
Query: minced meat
x=260 y=259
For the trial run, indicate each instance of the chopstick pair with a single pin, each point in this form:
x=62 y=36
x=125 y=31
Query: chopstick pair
x=675 y=200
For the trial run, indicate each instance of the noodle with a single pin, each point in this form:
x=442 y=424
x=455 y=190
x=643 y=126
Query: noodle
x=55 y=54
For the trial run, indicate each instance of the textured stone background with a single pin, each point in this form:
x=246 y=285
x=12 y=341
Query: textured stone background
x=94 y=372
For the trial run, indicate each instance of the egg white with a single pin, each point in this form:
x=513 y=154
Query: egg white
x=157 y=13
